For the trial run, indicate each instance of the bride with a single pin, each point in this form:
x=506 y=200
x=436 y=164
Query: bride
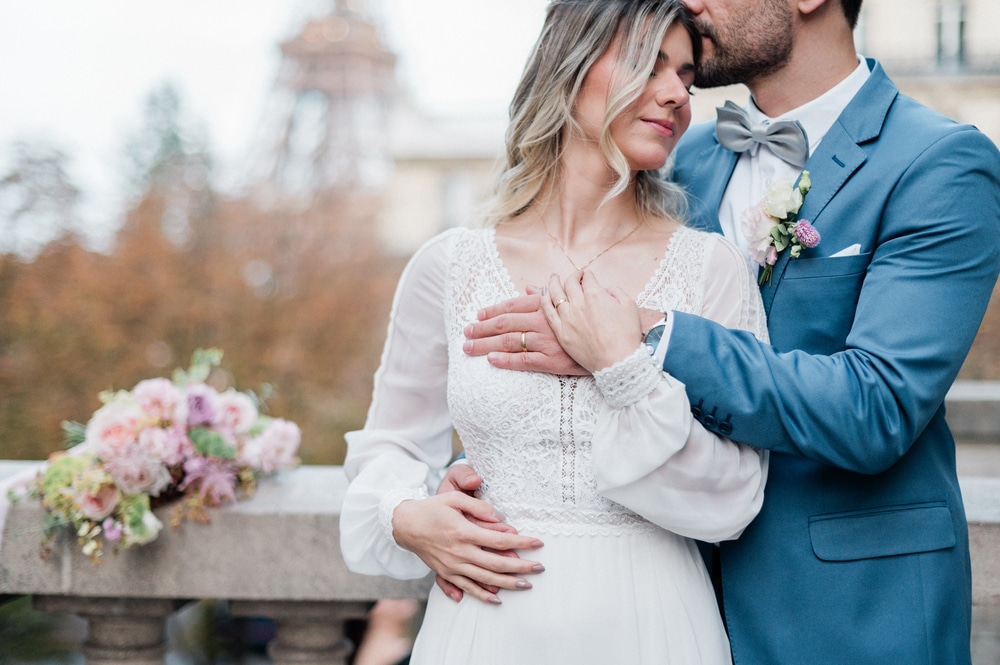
x=601 y=104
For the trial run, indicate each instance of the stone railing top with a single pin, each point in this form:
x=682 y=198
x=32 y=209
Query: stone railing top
x=974 y=391
x=982 y=501
x=284 y=544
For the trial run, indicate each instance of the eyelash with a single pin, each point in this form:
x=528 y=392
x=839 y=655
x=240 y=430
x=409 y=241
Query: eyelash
x=690 y=92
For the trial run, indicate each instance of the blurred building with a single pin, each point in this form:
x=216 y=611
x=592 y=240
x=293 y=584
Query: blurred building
x=339 y=134
x=344 y=127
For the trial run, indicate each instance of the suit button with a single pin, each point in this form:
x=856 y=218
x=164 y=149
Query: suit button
x=696 y=410
x=726 y=427
x=710 y=421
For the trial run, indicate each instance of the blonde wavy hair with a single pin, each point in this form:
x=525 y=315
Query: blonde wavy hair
x=575 y=34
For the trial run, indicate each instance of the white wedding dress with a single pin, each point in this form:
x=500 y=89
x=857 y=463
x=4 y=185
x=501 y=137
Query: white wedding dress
x=555 y=453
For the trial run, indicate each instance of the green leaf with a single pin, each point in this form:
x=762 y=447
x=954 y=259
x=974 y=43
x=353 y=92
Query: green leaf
x=202 y=362
x=73 y=432
x=211 y=444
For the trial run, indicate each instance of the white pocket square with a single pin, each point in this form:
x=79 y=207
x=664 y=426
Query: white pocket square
x=853 y=250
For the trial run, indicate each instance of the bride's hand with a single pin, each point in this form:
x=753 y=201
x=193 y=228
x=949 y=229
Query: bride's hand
x=464 y=554
x=597 y=326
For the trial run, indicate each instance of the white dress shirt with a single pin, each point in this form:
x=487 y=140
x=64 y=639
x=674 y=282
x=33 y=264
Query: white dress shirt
x=759 y=166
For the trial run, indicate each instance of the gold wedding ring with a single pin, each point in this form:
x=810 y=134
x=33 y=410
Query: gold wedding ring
x=556 y=304
x=524 y=343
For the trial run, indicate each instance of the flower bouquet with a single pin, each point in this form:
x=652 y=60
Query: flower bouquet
x=179 y=441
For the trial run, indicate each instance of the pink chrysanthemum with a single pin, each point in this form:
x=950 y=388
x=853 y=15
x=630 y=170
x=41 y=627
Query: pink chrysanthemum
x=215 y=479
x=806 y=233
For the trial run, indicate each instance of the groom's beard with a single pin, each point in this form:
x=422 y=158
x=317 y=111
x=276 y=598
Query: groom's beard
x=758 y=42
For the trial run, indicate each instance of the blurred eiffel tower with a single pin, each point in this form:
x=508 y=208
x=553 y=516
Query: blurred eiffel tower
x=326 y=130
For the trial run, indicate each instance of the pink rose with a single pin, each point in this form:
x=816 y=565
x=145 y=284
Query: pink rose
x=236 y=412
x=138 y=472
x=170 y=446
x=275 y=448
x=162 y=401
x=98 y=502
x=113 y=427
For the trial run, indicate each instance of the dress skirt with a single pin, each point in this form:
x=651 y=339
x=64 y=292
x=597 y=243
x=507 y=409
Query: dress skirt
x=630 y=599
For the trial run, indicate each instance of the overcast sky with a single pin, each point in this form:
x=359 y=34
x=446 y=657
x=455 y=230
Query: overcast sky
x=76 y=72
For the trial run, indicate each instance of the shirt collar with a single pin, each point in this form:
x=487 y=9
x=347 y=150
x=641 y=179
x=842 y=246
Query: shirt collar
x=818 y=115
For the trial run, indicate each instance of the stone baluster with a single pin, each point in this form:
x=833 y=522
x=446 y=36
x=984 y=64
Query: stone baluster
x=119 y=630
x=308 y=633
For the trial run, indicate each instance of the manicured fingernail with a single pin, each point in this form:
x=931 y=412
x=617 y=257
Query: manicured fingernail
x=494 y=600
x=538 y=568
x=467 y=346
x=457 y=597
x=523 y=584
x=535 y=544
x=468 y=330
x=498 y=516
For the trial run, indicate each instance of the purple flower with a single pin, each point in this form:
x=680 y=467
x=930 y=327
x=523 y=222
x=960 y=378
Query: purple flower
x=215 y=479
x=112 y=530
x=806 y=233
x=202 y=405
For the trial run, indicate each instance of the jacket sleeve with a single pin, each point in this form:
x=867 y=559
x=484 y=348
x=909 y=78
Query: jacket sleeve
x=858 y=402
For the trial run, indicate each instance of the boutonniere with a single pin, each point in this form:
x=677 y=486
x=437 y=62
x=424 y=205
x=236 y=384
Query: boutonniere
x=772 y=226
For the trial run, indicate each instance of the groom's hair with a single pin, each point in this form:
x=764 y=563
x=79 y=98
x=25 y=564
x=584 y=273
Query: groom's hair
x=851 y=10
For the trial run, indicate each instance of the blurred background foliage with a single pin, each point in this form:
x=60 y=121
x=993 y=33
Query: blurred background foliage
x=297 y=298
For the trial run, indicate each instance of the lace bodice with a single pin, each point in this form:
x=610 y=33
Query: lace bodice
x=560 y=455
x=529 y=435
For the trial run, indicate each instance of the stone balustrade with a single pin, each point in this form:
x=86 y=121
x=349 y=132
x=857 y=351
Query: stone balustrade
x=278 y=556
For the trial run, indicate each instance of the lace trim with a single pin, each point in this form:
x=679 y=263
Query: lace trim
x=629 y=380
x=387 y=506
x=579 y=522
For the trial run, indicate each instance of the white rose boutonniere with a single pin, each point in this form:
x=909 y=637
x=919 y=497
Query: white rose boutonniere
x=772 y=226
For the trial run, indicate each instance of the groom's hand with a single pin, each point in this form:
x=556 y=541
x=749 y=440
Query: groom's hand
x=497 y=335
x=463 y=478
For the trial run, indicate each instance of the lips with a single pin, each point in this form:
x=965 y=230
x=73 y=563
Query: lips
x=664 y=127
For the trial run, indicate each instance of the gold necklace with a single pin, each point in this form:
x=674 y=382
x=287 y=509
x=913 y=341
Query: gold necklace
x=599 y=255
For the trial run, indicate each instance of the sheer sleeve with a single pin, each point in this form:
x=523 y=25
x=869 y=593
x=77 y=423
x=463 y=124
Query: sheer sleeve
x=407 y=438
x=652 y=456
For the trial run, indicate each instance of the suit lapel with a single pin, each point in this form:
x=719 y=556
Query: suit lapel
x=839 y=155
x=710 y=170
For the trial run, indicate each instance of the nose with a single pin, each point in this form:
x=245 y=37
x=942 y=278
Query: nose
x=694 y=6
x=671 y=90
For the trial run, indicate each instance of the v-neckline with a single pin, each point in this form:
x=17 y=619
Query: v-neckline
x=655 y=279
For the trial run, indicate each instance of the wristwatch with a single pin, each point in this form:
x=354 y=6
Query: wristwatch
x=652 y=337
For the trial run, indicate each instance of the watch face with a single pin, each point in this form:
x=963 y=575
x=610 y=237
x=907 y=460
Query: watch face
x=654 y=336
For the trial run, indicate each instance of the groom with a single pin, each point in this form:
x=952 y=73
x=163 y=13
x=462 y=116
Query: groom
x=860 y=553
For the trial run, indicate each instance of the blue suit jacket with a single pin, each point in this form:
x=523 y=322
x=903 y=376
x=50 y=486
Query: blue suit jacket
x=860 y=554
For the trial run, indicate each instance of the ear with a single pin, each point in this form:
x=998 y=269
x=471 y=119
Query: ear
x=809 y=6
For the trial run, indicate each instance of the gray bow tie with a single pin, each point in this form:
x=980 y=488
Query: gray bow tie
x=785 y=138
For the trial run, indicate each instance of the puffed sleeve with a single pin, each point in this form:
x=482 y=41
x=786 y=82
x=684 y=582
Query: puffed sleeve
x=652 y=456
x=407 y=439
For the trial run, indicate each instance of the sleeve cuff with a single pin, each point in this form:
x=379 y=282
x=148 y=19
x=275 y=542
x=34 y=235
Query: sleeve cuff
x=629 y=380
x=387 y=506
